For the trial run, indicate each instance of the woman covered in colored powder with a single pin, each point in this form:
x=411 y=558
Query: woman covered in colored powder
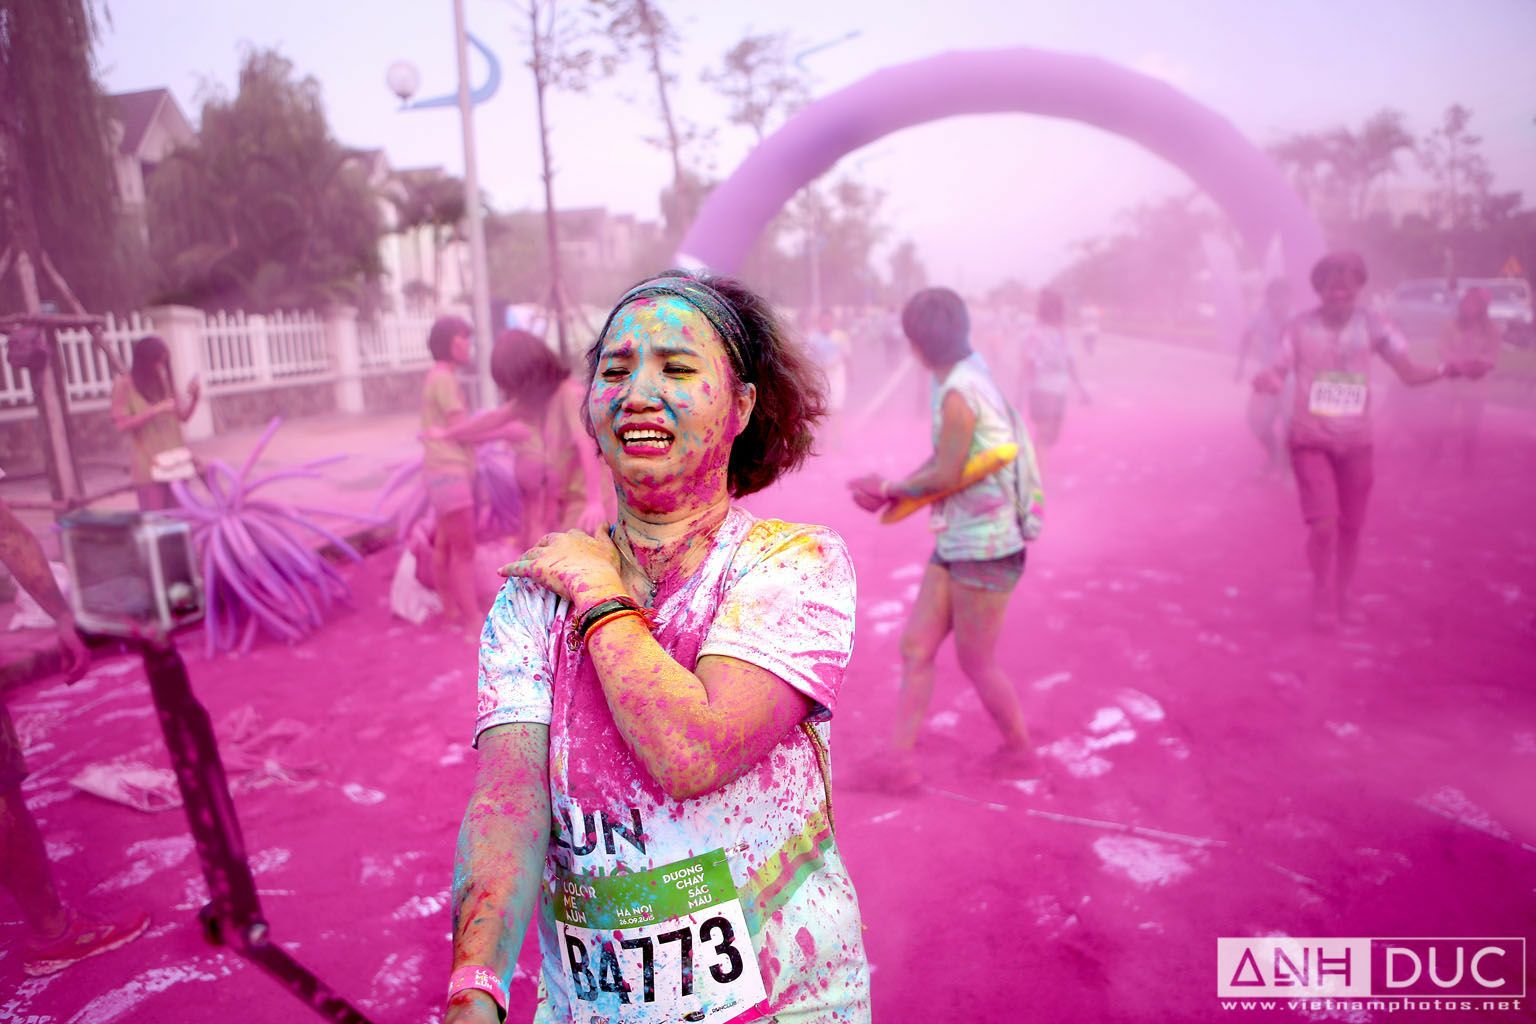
x=448 y=471
x=1329 y=350
x=562 y=481
x=979 y=552
x=146 y=409
x=1051 y=368
x=653 y=784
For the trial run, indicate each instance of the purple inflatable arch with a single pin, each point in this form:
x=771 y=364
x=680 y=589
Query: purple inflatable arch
x=1202 y=143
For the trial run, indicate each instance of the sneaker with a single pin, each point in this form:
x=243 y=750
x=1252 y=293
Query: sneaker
x=81 y=937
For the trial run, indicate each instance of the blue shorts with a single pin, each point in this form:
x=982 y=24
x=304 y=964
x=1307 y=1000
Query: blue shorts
x=1000 y=575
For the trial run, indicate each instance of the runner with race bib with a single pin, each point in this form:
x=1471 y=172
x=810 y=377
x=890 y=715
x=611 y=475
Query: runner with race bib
x=1330 y=351
x=654 y=705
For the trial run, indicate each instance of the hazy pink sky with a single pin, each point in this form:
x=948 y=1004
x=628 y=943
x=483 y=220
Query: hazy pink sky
x=984 y=197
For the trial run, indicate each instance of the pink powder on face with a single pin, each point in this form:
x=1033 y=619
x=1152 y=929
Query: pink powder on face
x=690 y=393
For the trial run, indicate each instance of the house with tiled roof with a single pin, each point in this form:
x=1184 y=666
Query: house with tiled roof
x=148 y=125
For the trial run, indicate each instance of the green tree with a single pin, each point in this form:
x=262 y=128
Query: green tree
x=562 y=56
x=1306 y=156
x=58 y=188
x=433 y=200
x=632 y=25
x=642 y=27
x=760 y=81
x=267 y=210
x=850 y=229
x=1452 y=156
x=1334 y=170
x=1363 y=156
x=908 y=275
x=1152 y=264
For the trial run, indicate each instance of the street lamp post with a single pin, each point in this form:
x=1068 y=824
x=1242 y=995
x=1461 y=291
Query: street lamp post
x=481 y=286
x=404 y=79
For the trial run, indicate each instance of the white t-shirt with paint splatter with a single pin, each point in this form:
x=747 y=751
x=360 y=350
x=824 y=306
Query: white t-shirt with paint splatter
x=777 y=595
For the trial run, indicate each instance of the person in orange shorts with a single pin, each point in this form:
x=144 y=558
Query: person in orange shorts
x=448 y=471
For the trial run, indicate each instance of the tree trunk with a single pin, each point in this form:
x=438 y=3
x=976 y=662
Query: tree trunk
x=47 y=388
x=551 y=225
x=654 y=45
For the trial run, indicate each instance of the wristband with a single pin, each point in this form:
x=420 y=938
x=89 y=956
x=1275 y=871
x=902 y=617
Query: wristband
x=482 y=979
x=576 y=633
x=622 y=613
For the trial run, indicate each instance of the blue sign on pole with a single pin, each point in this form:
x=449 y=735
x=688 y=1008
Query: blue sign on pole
x=477 y=95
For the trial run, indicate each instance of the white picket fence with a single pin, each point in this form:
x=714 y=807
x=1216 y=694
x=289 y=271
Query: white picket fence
x=237 y=351
x=87 y=377
x=244 y=352
x=395 y=343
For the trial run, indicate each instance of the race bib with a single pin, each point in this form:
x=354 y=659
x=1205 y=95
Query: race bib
x=669 y=944
x=1335 y=393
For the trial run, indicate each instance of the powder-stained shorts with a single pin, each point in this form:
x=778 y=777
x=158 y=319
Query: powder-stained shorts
x=13 y=767
x=1333 y=484
x=1000 y=575
x=449 y=492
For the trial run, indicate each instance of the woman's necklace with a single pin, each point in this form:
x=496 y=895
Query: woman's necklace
x=626 y=552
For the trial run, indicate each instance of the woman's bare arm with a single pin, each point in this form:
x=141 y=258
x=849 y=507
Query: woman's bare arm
x=957 y=425
x=693 y=732
x=486 y=426
x=503 y=841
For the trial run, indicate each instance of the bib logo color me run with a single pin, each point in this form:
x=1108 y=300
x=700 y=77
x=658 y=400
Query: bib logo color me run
x=1409 y=973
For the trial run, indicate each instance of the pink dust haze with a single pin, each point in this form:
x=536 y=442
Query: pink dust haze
x=1278 y=675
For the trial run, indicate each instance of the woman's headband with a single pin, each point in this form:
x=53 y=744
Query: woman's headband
x=722 y=316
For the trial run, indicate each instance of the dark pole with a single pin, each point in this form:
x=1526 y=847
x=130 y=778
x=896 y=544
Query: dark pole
x=233 y=915
x=551 y=227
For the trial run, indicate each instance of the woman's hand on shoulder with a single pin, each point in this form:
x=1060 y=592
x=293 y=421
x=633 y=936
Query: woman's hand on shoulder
x=581 y=567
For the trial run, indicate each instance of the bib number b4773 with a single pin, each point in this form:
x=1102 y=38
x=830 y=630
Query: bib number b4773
x=669 y=944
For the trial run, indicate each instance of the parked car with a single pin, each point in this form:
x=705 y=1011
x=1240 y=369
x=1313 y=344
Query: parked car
x=1423 y=307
